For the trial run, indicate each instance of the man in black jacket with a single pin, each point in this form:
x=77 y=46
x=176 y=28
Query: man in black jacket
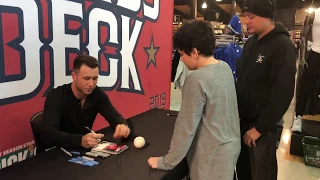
x=70 y=110
x=265 y=88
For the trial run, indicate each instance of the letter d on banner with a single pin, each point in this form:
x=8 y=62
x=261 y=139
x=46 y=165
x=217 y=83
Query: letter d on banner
x=29 y=48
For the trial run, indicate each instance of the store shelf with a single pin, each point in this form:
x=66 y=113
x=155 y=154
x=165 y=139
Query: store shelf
x=296 y=34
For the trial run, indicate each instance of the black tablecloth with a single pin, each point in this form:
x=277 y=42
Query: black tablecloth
x=154 y=125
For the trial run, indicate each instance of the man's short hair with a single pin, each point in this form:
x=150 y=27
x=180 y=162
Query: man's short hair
x=195 y=34
x=86 y=60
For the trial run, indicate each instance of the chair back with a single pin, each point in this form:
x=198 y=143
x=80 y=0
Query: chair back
x=35 y=122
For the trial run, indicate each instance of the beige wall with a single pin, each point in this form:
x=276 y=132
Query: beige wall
x=300 y=16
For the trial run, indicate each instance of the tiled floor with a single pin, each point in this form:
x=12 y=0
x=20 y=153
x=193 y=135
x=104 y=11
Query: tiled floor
x=289 y=167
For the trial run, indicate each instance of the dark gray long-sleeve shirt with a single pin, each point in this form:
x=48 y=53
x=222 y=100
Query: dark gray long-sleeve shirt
x=207 y=129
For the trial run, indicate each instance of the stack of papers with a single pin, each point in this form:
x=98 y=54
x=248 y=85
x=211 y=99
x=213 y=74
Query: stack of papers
x=109 y=148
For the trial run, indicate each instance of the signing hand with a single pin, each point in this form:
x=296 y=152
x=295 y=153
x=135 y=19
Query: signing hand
x=153 y=162
x=91 y=139
x=251 y=136
x=122 y=130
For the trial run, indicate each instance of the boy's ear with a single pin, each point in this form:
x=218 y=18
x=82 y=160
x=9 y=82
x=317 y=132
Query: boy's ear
x=195 y=52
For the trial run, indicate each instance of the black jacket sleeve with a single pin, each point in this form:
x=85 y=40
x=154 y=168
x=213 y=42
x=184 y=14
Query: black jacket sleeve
x=282 y=80
x=108 y=111
x=175 y=63
x=51 y=135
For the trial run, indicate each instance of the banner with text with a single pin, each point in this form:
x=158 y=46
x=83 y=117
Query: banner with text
x=39 y=39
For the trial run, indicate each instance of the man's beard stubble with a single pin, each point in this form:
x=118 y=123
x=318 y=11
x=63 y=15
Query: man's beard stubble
x=80 y=90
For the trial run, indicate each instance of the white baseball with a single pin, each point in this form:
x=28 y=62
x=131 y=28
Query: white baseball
x=139 y=142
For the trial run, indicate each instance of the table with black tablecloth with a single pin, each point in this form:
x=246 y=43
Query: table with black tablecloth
x=154 y=125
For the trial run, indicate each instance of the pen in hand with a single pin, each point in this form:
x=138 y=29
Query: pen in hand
x=91 y=131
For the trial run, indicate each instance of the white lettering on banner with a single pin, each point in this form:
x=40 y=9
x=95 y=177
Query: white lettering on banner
x=3 y=163
x=27 y=144
x=150 y=12
x=61 y=41
x=19 y=147
x=133 y=5
x=12 y=150
x=96 y=16
x=128 y=44
x=31 y=45
x=23 y=156
x=13 y=159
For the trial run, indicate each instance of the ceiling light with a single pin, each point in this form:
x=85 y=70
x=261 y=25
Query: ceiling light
x=204 y=5
x=310 y=10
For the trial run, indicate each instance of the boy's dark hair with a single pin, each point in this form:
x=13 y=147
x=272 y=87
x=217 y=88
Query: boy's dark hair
x=86 y=60
x=195 y=34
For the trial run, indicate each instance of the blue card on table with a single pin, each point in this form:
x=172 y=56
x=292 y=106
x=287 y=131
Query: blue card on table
x=84 y=162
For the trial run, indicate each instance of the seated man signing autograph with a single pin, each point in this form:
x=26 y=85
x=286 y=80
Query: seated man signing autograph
x=70 y=109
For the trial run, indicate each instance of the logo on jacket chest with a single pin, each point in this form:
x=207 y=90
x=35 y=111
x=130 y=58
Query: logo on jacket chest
x=260 y=59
